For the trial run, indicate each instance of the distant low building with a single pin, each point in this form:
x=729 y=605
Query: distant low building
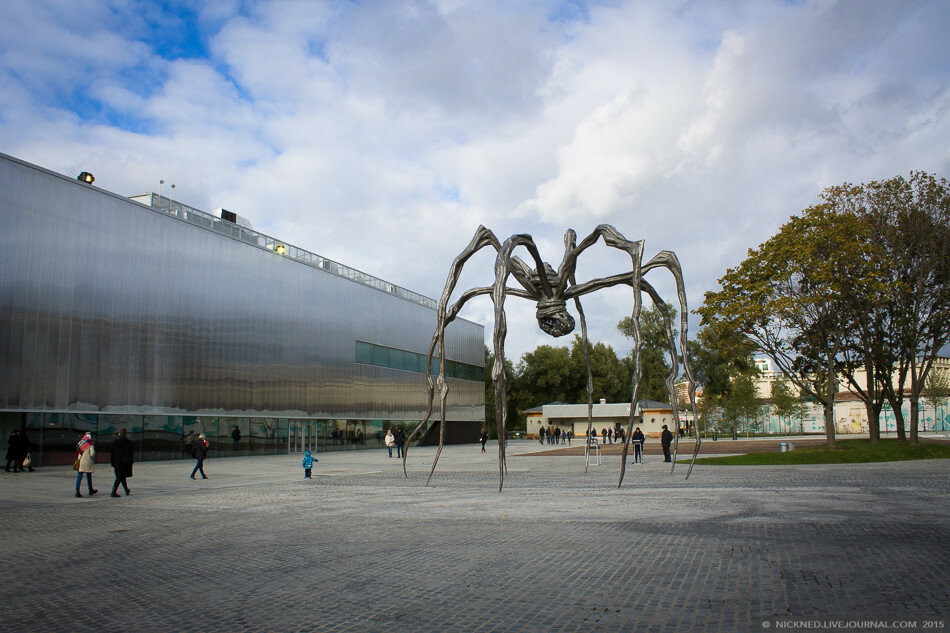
x=650 y=416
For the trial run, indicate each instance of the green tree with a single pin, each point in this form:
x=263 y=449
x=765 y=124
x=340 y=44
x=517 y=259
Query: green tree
x=786 y=403
x=864 y=308
x=550 y=374
x=544 y=375
x=654 y=352
x=716 y=357
x=611 y=376
x=910 y=218
x=742 y=403
x=787 y=297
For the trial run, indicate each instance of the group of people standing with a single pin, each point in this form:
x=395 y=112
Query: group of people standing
x=608 y=435
x=554 y=435
x=395 y=439
x=18 y=452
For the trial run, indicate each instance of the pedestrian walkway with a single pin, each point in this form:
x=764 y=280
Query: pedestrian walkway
x=362 y=548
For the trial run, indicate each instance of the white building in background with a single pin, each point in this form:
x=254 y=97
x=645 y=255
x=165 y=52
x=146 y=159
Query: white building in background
x=650 y=417
x=850 y=414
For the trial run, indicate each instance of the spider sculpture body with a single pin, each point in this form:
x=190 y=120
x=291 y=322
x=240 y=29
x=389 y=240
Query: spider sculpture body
x=551 y=290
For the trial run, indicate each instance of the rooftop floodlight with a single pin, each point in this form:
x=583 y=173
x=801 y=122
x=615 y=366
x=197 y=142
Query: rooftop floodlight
x=86 y=177
x=281 y=249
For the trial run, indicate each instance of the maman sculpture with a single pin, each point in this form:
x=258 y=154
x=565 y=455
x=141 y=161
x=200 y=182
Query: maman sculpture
x=551 y=290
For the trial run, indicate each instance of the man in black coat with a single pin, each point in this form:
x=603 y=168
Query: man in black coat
x=637 y=439
x=13 y=451
x=400 y=438
x=200 y=450
x=236 y=436
x=123 y=455
x=666 y=438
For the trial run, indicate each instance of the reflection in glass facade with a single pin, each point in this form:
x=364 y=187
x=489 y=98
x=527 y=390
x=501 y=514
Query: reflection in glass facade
x=115 y=314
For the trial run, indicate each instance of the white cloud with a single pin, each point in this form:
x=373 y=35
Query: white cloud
x=368 y=131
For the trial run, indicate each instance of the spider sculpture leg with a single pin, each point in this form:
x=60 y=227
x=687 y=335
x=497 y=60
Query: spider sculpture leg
x=570 y=243
x=614 y=239
x=674 y=365
x=482 y=238
x=505 y=265
x=590 y=380
x=516 y=268
x=668 y=260
x=637 y=378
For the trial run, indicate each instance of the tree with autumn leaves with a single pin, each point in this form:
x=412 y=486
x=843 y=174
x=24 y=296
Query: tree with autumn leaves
x=860 y=280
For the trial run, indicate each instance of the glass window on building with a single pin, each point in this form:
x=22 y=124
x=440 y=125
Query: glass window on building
x=364 y=353
x=380 y=356
x=397 y=359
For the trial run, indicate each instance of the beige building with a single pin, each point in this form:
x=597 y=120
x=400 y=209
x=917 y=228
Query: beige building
x=850 y=415
x=650 y=416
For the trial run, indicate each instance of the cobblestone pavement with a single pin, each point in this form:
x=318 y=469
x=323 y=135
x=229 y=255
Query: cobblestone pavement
x=361 y=548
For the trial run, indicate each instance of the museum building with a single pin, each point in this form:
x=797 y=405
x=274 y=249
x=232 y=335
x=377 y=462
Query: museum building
x=148 y=314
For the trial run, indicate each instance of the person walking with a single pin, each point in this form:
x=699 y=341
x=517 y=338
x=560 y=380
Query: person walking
x=400 y=442
x=666 y=438
x=483 y=438
x=121 y=458
x=13 y=451
x=200 y=452
x=86 y=454
x=637 y=439
x=26 y=453
x=390 y=442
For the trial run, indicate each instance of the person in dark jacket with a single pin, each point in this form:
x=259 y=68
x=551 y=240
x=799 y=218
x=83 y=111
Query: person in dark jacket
x=199 y=452
x=123 y=454
x=400 y=441
x=666 y=438
x=13 y=451
x=637 y=439
x=483 y=438
x=236 y=437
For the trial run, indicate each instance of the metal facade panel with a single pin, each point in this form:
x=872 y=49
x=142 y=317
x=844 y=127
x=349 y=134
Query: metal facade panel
x=106 y=305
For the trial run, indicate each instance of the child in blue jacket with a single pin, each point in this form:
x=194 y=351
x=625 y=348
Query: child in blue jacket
x=308 y=460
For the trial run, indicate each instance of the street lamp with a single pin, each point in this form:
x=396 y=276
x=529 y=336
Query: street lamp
x=161 y=183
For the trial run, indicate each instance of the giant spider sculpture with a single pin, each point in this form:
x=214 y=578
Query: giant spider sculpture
x=551 y=291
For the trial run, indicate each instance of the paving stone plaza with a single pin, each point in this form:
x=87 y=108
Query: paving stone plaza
x=360 y=548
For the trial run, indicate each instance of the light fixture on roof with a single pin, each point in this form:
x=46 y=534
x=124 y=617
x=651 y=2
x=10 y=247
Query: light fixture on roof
x=161 y=183
x=280 y=249
x=86 y=177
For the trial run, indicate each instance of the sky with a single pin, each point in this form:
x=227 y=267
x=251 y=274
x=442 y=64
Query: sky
x=382 y=134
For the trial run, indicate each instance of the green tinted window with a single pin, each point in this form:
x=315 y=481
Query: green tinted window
x=397 y=359
x=380 y=356
x=364 y=353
